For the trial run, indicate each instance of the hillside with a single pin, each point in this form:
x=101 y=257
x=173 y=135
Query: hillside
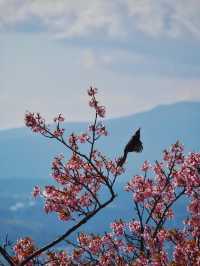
x=24 y=154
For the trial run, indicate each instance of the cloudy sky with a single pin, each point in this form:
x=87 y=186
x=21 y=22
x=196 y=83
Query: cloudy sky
x=139 y=53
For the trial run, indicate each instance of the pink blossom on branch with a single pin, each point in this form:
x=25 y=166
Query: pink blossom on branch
x=92 y=91
x=142 y=241
x=118 y=228
x=82 y=177
x=145 y=239
x=100 y=109
x=36 y=191
x=22 y=249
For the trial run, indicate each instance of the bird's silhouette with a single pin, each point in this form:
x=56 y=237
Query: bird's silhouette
x=134 y=145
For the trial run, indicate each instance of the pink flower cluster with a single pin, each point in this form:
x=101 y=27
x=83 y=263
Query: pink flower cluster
x=23 y=248
x=36 y=191
x=188 y=175
x=59 y=118
x=38 y=125
x=35 y=122
x=141 y=188
x=82 y=176
x=105 y=250
x=100 y=109
x=80 y=182
x=58 y=258
x=99 y=128
x=118 y=228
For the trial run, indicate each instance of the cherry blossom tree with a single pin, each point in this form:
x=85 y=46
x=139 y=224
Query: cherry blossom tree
x=149 y=238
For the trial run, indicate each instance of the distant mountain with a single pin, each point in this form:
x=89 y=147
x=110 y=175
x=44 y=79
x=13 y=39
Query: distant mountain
x=27 y=155
x=25 y=160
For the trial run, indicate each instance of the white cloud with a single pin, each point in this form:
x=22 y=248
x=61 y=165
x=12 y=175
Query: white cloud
x=186 y=14
x=147 y=16
x=70 y=18
x=21 y=205
x=64 y=18
x=49 y=77
x=167 y=17
x=17 y=206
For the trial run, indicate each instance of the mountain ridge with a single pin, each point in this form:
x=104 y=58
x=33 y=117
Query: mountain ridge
x=25 y=154
x=160 y=106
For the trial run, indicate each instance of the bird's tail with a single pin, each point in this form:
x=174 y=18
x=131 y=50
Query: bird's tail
x=122 y=160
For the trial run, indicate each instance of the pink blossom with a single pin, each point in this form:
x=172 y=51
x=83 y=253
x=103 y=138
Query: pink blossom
x=146 y=166
x=35 y=122
x=194 y=206
x=101 y=111
x=36 y=191
x=118 y=228
x=135 y=226
x=59 y=118
x=58 y=133
x=23 y=248
x=92 y=91
x=58 y=258
x=83 y=138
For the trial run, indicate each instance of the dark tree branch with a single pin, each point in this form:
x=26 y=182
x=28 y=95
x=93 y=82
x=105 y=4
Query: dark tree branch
x=6 y=256
x=165 y=211
x=71 y=230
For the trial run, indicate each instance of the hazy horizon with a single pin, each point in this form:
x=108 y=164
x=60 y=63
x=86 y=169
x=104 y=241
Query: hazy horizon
x=112 y=118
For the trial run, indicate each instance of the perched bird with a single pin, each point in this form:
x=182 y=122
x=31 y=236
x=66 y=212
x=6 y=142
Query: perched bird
x=134 y=145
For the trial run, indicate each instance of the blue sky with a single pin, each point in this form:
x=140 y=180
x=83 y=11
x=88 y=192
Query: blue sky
x=138 y=53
